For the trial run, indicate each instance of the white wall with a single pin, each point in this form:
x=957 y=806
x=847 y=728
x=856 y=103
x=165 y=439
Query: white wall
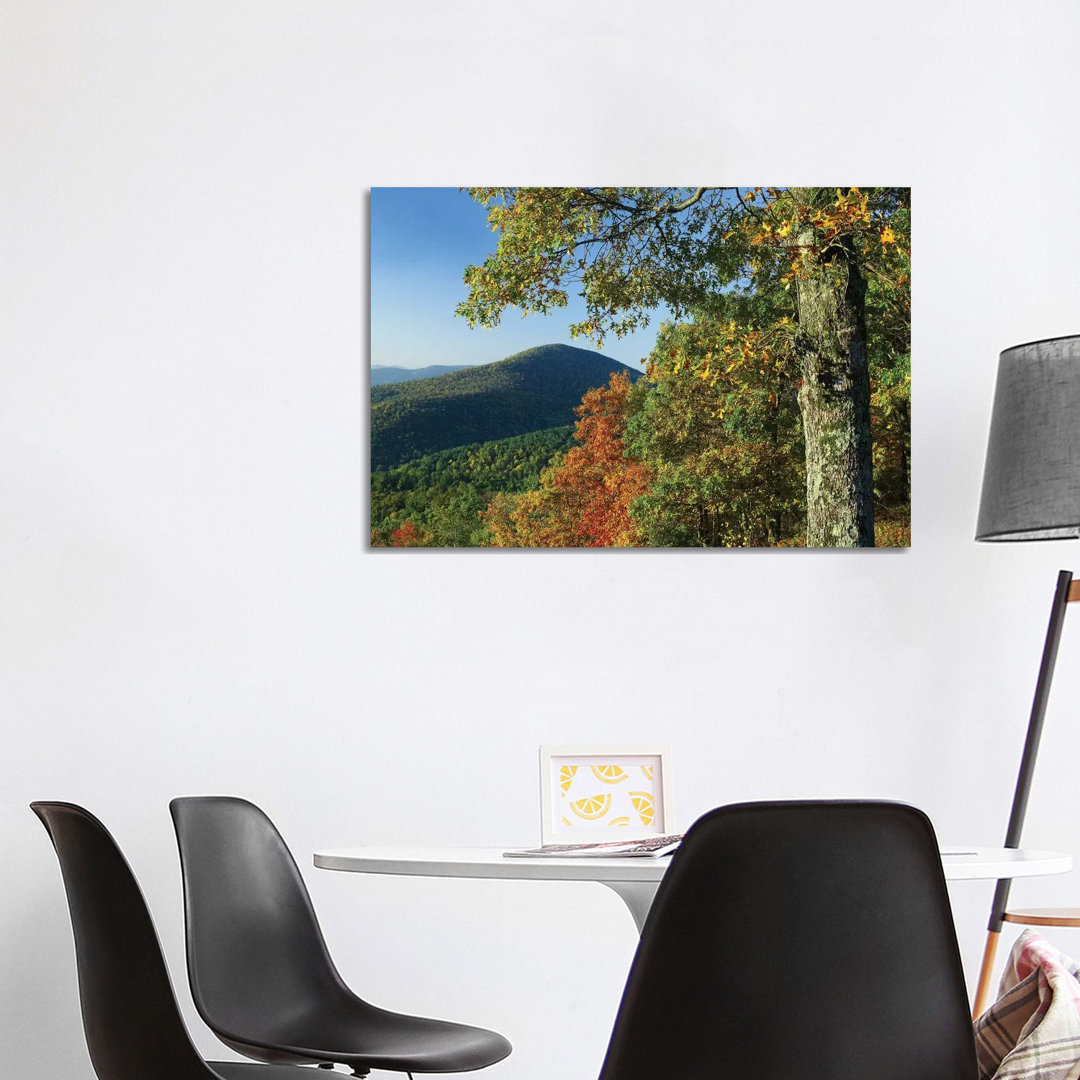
x=187 y=605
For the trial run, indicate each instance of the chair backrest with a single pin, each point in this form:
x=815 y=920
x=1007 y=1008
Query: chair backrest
x=255 y=952
x=798 y=941
x=132 y=1022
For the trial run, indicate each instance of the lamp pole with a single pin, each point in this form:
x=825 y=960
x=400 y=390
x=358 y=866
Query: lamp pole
x=1066 y=590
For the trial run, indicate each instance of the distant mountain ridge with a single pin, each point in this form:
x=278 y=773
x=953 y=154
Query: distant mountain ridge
x=381 y=374
x=529 y=391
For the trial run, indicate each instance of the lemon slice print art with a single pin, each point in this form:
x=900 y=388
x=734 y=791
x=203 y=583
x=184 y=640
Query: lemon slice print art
x=643 y=804
x=609 y=774
x=592 y=808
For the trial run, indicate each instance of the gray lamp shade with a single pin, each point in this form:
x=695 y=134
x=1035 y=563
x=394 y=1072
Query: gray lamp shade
x=1031 y=485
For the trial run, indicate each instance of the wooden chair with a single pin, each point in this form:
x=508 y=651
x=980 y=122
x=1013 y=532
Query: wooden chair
x=1050 y=916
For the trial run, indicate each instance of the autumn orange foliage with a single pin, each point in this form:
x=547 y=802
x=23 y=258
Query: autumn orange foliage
x=406 y=535
x=584 y=498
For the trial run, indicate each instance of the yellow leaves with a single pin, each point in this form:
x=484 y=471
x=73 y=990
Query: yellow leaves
x=853 y=203
x=738 y=358
x=801 y=233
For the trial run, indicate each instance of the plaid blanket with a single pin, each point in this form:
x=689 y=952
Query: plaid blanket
x=1032 y=1031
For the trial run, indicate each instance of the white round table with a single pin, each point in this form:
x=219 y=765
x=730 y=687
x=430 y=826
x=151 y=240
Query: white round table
x=636 y=879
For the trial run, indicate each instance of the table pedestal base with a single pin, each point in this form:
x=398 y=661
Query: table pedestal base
x=637 y=896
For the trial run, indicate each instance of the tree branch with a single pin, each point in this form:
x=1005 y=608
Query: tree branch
x=687 y=202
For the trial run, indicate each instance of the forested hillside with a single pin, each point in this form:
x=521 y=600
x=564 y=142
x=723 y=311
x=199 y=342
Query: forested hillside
x=442 y=496
x=381 y=374
x=529 y=391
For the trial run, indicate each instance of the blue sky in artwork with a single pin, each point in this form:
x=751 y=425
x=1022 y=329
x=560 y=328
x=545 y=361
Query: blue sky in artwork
x=421 y=241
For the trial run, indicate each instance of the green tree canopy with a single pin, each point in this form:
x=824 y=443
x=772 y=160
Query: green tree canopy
x=785 y=276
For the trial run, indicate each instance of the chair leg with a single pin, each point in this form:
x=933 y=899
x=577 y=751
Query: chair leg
x=982 y=992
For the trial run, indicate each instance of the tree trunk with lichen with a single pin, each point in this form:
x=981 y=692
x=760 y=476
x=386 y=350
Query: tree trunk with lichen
x=834 y=400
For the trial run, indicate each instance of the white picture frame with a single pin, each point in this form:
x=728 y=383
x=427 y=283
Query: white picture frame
x=590 y=794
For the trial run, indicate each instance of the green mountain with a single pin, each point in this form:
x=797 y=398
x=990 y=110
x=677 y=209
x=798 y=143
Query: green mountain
x=381 y=374
x=529 y=391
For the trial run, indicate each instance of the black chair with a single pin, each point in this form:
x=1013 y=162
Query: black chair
x=133 y=1026
x=260 y=973
x=798 y=941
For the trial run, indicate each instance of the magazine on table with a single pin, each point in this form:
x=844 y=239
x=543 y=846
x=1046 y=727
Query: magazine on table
x=649 y=847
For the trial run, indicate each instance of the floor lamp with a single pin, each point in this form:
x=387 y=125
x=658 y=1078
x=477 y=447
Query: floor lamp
x=1031 y=491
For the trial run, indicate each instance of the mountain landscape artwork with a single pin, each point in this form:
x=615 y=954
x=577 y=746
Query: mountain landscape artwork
x=640 y=367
